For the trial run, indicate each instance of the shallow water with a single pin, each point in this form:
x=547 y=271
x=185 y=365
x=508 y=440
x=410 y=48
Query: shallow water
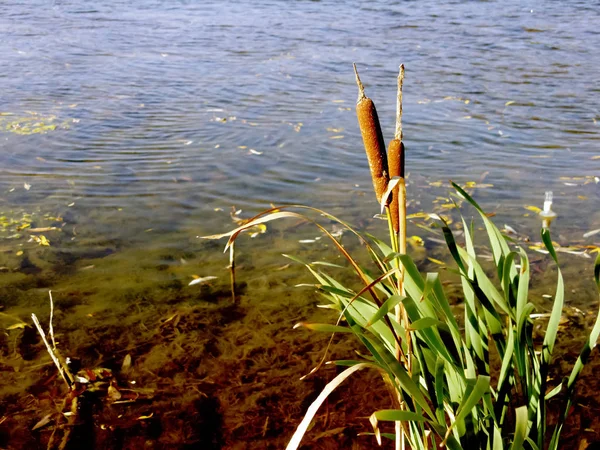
x=134 y=127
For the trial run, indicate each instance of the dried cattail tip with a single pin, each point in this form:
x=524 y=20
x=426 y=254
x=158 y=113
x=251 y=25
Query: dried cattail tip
x=372 y=139
x=395 y=157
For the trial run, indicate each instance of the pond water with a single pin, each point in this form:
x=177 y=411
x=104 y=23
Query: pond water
x=128 y=129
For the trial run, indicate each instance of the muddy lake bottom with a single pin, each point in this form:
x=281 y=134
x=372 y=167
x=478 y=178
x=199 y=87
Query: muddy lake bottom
x=174 y=367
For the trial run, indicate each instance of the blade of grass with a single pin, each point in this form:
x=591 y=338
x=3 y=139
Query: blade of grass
x=520 y=428
x=314 y=407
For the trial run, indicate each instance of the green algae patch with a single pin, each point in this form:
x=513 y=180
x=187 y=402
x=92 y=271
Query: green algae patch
x=32 y=123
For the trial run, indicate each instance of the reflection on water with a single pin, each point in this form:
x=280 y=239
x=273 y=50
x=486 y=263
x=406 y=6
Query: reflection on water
x=169 y=113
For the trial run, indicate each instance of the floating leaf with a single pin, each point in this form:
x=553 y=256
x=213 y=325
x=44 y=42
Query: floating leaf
x=10 y=322
x=201 y=280
x=509 y=103
x=539 y=249
x=41 y=239
x=416 y=240
x=43 y=422
x=436 y=261
x=261 y=228
x=113 y=393
x=591 y=233
x=448 y=206
x=126 y=364
x=419 y=215
x=535 y=209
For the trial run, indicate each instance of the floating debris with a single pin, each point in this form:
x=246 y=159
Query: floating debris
x=41 y=239
x=591 y=233
x=535 y=209
x=200 y=280
x=436 y=261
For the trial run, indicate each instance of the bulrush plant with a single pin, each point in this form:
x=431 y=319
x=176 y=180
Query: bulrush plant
x=475 y=382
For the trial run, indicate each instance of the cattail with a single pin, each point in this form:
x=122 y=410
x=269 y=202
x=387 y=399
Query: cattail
x=396 y=166
x=372 y=139
x=395 y=158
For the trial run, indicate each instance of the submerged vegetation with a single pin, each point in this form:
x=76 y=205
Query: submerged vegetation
x=474 y=379
x=32 y=123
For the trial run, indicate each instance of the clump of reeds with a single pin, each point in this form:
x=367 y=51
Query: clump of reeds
x=383 y=167
x=450 y=394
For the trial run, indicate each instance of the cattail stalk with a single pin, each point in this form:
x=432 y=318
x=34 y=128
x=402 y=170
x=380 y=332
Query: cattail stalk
x=398 y=205
x=397 y=211
x=368 y=121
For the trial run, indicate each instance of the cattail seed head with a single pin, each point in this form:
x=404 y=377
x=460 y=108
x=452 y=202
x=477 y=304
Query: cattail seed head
x=370 y=130
x=395 y=158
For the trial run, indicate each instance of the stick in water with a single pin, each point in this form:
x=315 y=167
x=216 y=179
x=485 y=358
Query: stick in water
x=50 y=351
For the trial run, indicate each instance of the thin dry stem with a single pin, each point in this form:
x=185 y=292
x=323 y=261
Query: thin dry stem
x=50 y=327
x=400 y=311
x=361 y=88
x=72 y=420
x=398 y=134
x=232 y=268
x=51 y=352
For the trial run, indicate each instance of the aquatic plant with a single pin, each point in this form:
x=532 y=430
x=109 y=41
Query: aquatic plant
x=31 y=123
x=479 y=381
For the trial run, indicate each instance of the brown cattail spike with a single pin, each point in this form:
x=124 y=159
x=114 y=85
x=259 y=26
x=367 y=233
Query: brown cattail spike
x=395 y=156
x=372 y=140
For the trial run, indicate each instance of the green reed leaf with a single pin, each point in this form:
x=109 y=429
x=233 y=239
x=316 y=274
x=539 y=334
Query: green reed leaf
x=520 y=428
x=385 y=309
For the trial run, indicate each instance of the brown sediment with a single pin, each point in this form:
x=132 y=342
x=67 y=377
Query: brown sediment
x=370 y=130
x=213 y=375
